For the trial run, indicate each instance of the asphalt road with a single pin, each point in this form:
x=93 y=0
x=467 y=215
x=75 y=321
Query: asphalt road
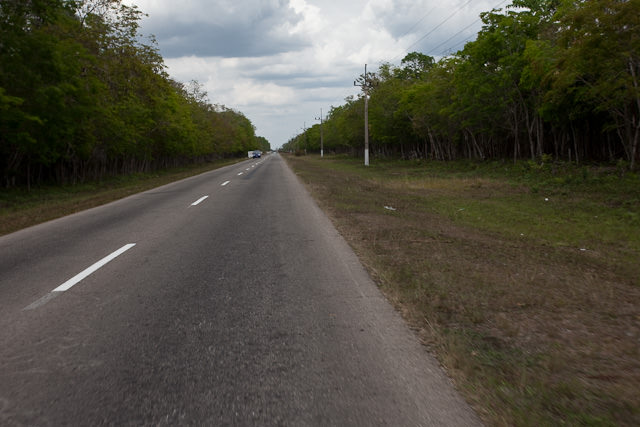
x=242 y=308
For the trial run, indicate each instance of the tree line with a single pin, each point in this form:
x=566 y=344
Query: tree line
x=83 y=96
x=543 y=78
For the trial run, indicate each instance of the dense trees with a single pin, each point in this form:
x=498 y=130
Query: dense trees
x=543 y=77
x=83 y=96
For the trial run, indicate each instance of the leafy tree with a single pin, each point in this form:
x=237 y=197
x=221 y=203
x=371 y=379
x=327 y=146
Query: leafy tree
x=599 y=61
x=82 y=96
x=425 y=104
x=415 y=65
x=387 y=128
x=263 y=144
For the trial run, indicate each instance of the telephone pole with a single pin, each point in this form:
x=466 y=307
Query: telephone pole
x=366 y=84
x=305 y=136
x=321 y=135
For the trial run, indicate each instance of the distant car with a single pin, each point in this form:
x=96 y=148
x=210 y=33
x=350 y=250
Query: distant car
x=256 y=154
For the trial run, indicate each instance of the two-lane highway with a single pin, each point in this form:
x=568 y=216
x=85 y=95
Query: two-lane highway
x=224 y=299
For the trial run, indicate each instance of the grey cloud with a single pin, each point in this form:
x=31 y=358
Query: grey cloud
x=433 y=28
x=224 y=29
x=303 y=79
x=278 y=77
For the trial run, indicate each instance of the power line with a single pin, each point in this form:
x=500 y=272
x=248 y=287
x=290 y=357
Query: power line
x=461 y=31
x=456 y=35
x=451 y=50
x=442 y=23
x=433 y=29
x=416 y=24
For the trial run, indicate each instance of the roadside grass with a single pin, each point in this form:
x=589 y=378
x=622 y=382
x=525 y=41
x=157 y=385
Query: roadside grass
x=523 y=279
x=20 y=208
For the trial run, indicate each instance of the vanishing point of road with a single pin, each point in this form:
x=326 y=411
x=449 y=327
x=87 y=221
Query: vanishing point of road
x=223 y=299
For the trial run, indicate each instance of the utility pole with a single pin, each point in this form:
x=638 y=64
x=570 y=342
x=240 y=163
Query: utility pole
x=366 y=84
x=321 y=135
x=306 y=138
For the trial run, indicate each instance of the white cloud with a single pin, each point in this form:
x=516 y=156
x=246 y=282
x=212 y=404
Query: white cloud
x=280 y=61
x=250 y=92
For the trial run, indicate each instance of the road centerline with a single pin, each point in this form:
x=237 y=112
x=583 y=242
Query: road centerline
x=200 y=200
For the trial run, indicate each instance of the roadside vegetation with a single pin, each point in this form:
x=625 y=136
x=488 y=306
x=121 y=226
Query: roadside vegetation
x=84 y=96
x=523 y=279
x=542 y=77
x=21 y=208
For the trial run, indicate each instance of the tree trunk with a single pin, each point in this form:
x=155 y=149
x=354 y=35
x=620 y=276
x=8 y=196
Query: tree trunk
x=634 y=146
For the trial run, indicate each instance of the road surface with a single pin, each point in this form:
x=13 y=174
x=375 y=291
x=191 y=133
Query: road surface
x=223 y=299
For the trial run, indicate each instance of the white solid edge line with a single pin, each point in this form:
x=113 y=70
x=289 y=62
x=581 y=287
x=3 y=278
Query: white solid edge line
x=225 y=183
x=78 y=277
x=199 y=200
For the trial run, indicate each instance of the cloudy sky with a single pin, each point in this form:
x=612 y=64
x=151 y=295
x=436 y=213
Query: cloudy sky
x=281 y=61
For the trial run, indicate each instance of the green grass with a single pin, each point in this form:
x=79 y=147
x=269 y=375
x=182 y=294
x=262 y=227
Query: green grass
x=20 y=208
x=590 y=209
x=532 y=305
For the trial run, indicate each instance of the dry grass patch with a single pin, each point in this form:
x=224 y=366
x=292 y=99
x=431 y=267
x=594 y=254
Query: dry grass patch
x=534 y=331
x=20 y=208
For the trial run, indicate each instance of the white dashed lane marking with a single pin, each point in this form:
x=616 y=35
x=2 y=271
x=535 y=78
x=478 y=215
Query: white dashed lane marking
x=200 y=200
x=79 y=277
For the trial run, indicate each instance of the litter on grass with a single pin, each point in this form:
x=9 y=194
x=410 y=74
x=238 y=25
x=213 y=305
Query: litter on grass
x=389 y=208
